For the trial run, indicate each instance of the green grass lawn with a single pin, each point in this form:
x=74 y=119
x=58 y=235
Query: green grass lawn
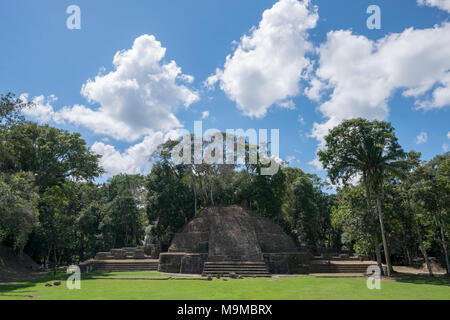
x=289 y=288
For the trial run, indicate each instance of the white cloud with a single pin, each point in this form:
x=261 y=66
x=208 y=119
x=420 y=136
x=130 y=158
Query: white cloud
x=267 y=65
x=316 y=164
x=363 y=74
x=301 y=120
x=42 y=109
x=448 y=135
x=140 y=96
x=288 y=104
x=142 y=93
x=205 y=114
x=291 y=159
x=136 y=159
x=441 y=4
x=422 y=138
x=445 y=147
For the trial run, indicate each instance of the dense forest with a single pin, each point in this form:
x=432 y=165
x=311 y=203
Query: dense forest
x=389 y=204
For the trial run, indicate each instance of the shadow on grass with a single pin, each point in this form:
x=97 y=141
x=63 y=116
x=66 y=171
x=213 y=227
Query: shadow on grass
x=50 y=277
x=62 y=276
x=441 y=280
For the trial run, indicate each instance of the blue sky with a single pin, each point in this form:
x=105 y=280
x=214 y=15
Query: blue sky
x=324 y=47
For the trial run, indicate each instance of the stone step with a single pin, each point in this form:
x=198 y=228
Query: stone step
x=340 y=268
x=234 y=270
x=107 y=270
x=125 y=264
x=110 y=266
x=246 y=269
x=250 y=275
x=244 y=263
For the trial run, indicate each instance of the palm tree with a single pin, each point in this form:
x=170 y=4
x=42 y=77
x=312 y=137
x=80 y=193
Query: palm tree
x=370 y=150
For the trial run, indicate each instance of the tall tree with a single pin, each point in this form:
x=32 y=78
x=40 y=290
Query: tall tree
x=365 y=148
x=18 y=208
x=410 y=189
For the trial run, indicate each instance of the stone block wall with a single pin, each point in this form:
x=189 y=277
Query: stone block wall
x=170 y=262
x=192 y=263
x=288 y=263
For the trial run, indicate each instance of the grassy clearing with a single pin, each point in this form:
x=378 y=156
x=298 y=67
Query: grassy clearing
x=289 y=288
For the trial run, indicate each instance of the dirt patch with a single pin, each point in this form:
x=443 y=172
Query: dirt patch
x=437 y=270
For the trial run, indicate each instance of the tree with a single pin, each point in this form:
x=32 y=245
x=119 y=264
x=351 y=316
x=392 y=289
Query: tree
x=18 y=208
x=10 y=116
x=353 y=217
x=365 y=148
x=431 y=192
x=169 y=201
x=410 y=189
x=52 y=154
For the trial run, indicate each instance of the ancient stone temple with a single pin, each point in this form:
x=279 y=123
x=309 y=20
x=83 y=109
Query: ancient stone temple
x=222 y=240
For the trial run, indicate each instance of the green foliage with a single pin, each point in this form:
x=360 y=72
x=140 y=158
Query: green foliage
x=288 y=288
x=18 y=212
x=51 y=208
x=362 y=147
x=52 y=154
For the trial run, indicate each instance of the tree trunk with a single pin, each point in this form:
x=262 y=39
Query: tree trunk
x=378 y=254
x=54 y=260
x=195 y=198
x=422 y=248
x=444 y=243
x=383 y=236
x=408 y=256
x=375 y=236
x=211 y=194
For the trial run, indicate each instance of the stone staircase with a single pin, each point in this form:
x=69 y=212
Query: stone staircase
x=360 y=268
x=244 y=269
x=124 y=265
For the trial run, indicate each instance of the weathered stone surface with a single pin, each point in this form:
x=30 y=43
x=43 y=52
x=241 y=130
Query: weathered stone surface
x=288 y=263
x=192 y=263
x=298 y=263
x=103 y=256
x=277 y=263
x=190 y=242
x=118 y=254
x=232 y=234
x=170 y=262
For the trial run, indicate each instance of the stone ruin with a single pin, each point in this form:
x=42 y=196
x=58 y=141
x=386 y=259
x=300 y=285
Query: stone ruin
x=122 y=254
x=233 y=234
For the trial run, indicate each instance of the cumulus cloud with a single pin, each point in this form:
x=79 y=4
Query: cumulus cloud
x=42 y=108
x=422 y=138
x=441 y=4
x=205 y=114
x=138 y=99
x=268 y=63
x=362 y=74
x=140 y=95
x=448 y=135
x=134 y=160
